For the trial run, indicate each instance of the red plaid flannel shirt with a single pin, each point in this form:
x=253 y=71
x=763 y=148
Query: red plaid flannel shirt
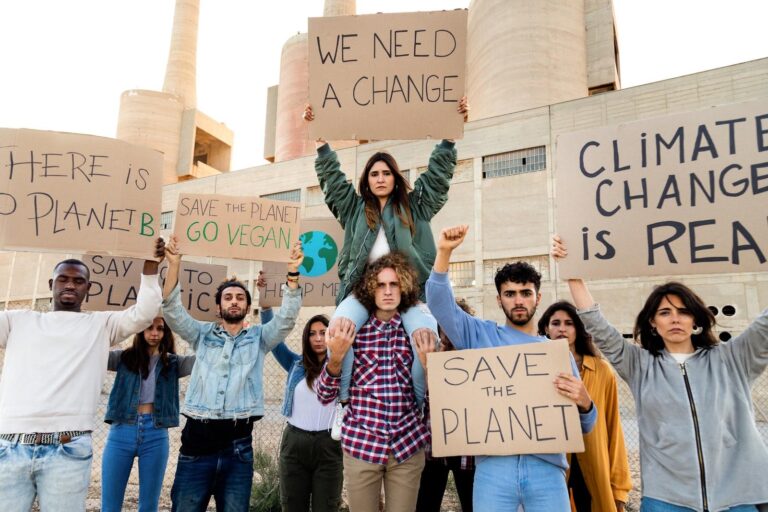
x=382 y=417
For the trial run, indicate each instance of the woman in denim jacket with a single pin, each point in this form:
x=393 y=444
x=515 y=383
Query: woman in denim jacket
x=310 y=461
x=143 y=404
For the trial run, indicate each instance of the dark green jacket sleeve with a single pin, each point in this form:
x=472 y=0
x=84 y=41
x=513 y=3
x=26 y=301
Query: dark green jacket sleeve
x=430 y=192
x=340 y=196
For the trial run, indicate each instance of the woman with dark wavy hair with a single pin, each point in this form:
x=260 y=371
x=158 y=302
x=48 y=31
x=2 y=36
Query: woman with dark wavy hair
x=700 y=448
x=387 y=215
x=143 y=405
x=310 y=461
x=598 y=478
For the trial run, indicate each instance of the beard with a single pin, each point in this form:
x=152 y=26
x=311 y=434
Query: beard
x=232 y=318
x=517 y=319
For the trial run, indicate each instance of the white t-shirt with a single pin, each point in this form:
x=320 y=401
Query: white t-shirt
x=380 y=246
x=307 y=412
x=680 y=358
x=56 y=362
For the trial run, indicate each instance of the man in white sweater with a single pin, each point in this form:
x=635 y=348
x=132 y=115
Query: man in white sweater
x=55 y=363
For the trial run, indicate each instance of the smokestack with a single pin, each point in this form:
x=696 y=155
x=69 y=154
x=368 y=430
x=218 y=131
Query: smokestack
x=340 y=8
x=180 y=73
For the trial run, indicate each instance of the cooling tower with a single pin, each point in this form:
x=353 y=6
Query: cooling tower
x=291 y=133
x=153 y=119
x=339 y=8
x=523 y=54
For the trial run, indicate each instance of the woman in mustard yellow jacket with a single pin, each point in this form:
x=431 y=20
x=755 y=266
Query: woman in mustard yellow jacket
x=599 y=477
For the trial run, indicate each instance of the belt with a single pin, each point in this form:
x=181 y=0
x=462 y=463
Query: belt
x=45 y=438
x=309 y=432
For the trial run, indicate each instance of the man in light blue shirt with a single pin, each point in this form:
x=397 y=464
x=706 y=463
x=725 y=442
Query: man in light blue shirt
x=537 y=482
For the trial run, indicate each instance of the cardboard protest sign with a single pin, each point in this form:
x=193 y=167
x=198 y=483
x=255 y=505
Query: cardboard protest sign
x=682 y=194
x=115 y=284
x=387 y=76
x=502 y=401
x=66 y=192
x=321 y=240
x=248 y=228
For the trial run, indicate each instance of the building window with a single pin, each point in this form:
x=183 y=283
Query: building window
x=406 y=174
x=515 y=162
x=293 y=196
x=315 y=196
x=462 y=273
x=490 y=267
x=166 y=220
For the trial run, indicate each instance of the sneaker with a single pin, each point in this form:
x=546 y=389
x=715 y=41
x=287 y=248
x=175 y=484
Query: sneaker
x=337 y=421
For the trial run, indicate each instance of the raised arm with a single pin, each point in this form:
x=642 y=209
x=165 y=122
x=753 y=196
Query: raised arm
x=430 y=191
x=750 y=348
x=459 y=326
x=276 y=330
x=176 y=315
x=340 y=196
x=138 y=317
x=624 y=356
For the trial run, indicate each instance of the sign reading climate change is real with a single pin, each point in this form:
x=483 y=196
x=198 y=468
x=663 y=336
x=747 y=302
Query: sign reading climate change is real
x=321 y=240
x=502 y=401
x=387 y=76
x=682 y=194
x=248 y=228
x=66 y=192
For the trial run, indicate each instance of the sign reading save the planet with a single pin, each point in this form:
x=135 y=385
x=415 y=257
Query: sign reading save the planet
x=247 y=228
x=321 y=240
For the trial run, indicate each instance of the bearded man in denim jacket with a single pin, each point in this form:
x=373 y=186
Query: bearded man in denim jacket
x=225 y=395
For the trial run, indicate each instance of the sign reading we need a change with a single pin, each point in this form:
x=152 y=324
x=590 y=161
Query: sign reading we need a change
x=321 y=240
x=249 y=228
x=73 y=193
x=502 y=401
x=682 y=194
x=387 y=76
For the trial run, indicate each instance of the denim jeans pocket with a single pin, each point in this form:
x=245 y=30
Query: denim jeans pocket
x=187 y=458
x=245 y=454
x=80 y=448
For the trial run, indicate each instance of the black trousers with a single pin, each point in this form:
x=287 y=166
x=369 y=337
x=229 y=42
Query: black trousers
x=434 y=479
x=311 y=471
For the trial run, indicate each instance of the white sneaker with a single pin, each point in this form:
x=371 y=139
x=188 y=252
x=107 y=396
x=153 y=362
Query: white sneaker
x=337 y=421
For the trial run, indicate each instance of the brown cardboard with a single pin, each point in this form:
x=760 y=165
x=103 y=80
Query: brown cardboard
x=707 y=196
x=247 y=228
x=421 y=81
x=502 y=401
x=115 y=284
x=65 y=192
x=318 y=290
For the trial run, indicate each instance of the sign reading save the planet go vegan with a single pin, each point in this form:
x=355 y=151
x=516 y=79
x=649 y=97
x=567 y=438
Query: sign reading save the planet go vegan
x=248 y=228
x=321 y=240
x=66 y=192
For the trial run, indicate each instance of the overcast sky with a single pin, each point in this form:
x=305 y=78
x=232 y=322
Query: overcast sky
x=64 y=63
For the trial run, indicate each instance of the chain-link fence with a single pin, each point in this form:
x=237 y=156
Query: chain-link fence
x=267 y=432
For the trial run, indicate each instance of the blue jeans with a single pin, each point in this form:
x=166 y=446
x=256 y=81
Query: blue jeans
x=125 y=442
x=653 y=505
x=503 y=483
x=415 y=318
x=226 y=475
x=58 y=474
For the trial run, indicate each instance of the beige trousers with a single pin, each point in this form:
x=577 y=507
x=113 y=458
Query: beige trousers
x=401 y=483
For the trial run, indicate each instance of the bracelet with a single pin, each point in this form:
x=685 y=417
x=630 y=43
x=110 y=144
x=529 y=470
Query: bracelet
x=294 y=274
x=292 y=279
